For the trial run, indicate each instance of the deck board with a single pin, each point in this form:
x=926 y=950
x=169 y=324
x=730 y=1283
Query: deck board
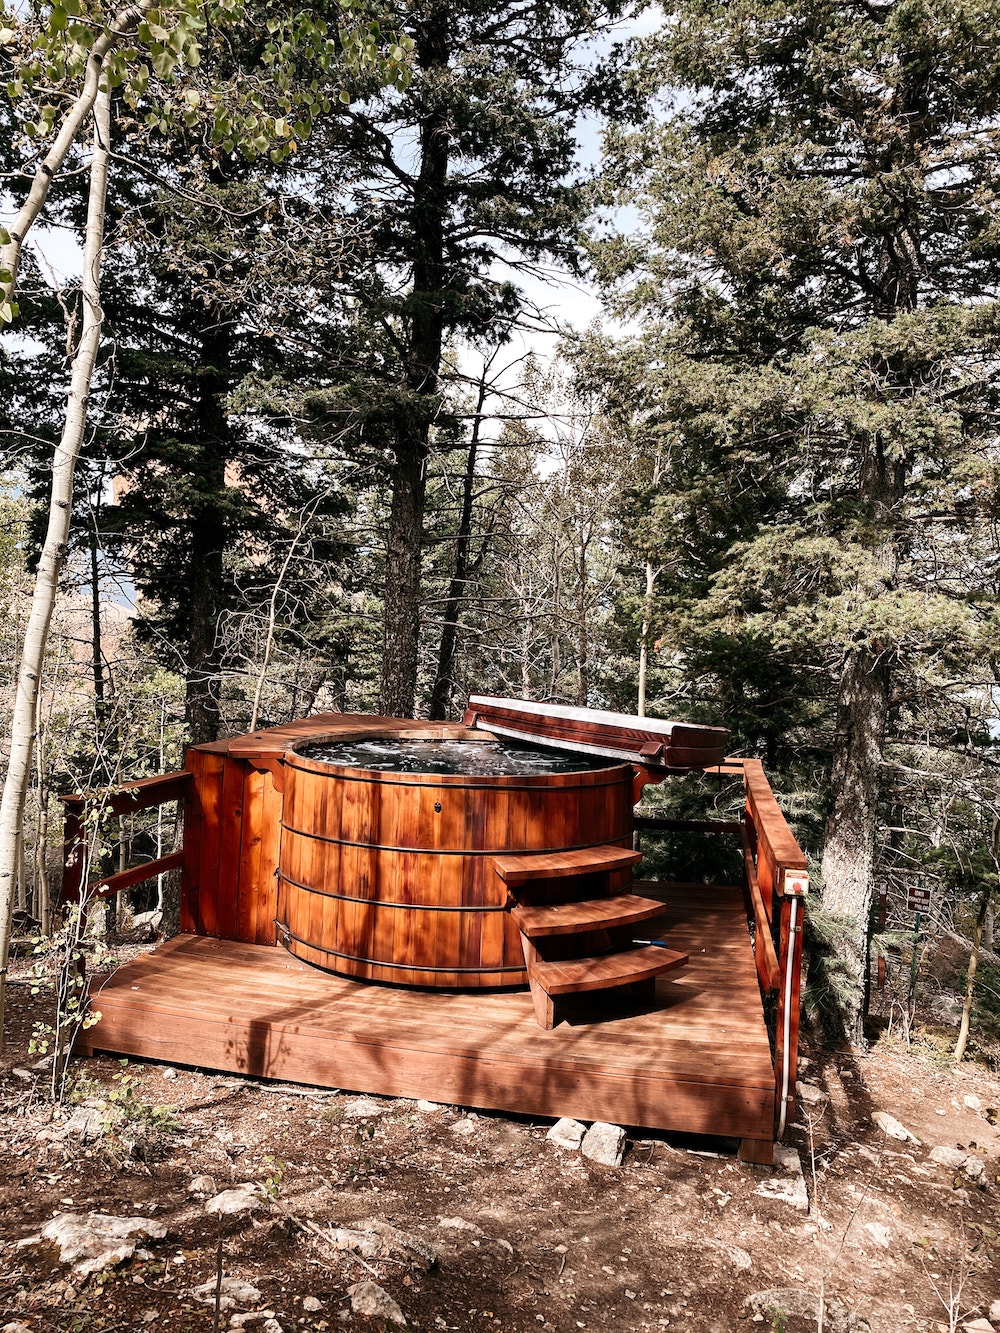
x=699 y=1061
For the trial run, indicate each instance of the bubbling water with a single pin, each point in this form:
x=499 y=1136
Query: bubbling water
x=472 y=758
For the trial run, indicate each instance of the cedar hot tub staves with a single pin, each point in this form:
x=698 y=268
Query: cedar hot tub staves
x=376 y=880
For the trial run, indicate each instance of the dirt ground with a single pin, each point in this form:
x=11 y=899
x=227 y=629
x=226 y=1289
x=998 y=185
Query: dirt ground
x=528 y=1236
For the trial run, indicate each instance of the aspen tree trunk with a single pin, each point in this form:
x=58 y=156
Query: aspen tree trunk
x=970 y=987
x=57 y=533
x=978 y=933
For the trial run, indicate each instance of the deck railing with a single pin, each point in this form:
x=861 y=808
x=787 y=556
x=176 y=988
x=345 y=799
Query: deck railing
x=775 y=884
x=143 y=794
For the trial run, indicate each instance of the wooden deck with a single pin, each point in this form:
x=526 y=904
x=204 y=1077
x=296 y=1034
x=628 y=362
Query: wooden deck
x=698 y=1062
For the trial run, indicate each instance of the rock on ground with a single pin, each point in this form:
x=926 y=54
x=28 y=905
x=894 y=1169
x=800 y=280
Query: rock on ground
x=957 y=1160
x=567 y=1133
x=87 y=1123
x=881 y=1235
x=363 y=1108
x=202 y=1185
x=460 y=1224
x=790 y=1185
x=233 y=1291
x=373 y=1239
x=604 y=1144
x=91 y=1242
x=952 y=1158
x=790 y=1189
x=809 y=1094
x=787 y=1159
x=796 y=1302
x=311 y=1305
x=368 y=1298
x=230 y=1203
x=892 y=1128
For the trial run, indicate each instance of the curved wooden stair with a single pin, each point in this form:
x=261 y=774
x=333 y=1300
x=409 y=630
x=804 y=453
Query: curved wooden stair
x=575 y=932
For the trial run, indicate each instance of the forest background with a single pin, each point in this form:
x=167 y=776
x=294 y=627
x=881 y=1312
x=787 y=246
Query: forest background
x=320 y=471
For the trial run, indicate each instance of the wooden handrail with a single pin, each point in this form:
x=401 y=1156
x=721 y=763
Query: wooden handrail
x=142 y=794
x=780 y=865
x=764 y=953
x=776 y=844
x=126 y=879
x=774 y=868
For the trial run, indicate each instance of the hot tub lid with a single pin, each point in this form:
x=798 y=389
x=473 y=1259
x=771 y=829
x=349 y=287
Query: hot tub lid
x=653 y=742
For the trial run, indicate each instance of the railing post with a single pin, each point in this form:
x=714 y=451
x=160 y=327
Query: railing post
x=794 y=885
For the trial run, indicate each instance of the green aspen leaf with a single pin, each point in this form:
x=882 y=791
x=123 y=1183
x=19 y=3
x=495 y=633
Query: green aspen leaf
x=58 y=19
x=4 y=240
x=8 y=312
x=163 y=63
x=345 y=97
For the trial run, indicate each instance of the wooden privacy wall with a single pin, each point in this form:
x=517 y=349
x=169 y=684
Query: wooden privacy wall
x=232 y=829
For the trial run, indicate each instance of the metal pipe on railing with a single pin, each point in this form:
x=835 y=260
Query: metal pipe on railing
x=786 y=1026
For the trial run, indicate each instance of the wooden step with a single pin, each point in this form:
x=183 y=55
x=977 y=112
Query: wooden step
x=526 y=866
x=626 y=909
x=601 y=973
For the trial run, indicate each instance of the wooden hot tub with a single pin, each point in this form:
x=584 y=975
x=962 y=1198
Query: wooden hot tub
x=388 y=876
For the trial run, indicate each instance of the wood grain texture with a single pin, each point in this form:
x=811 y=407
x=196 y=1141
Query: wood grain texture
x=699 y=1061
x=624 y=909
x=626 y=968
x=389 y=877
x=516 y=869
x=142 y=794
x=650 y=741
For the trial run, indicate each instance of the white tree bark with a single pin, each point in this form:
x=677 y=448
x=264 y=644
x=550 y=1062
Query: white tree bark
x=57 y=533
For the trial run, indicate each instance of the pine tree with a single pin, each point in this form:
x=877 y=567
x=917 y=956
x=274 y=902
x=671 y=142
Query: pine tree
x=467 y=173
x=817 y=278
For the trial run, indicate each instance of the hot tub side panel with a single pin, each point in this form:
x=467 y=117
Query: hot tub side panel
x=387 y=877
x=232 y=829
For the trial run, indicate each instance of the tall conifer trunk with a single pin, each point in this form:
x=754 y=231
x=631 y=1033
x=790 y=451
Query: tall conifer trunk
x=444 y=682
x=850 y=851
x=424 y=341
